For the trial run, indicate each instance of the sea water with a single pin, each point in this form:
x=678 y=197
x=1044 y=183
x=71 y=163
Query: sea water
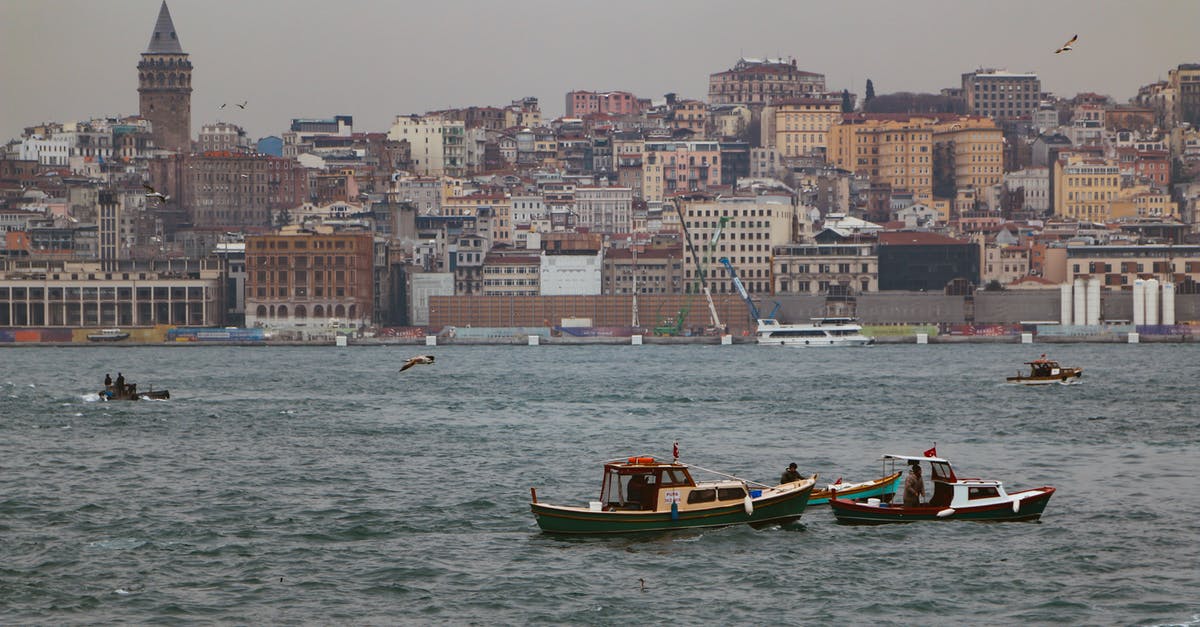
x=319 y=484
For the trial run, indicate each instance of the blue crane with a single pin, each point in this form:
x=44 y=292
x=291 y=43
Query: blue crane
x=741 y=290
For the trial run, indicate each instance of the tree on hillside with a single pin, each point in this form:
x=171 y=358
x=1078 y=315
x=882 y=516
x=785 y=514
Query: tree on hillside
x=870 y=93
x=847 y=104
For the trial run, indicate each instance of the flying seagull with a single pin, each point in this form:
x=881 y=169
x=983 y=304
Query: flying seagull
x=242 y=104
x=419 y=360
x=1067 y=46
x=153 y=193
x=222 y=105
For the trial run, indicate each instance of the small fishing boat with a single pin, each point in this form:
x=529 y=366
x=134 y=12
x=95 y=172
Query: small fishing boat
x=645 y=494
x=129 y=392
x=1044 y=371
x=883 y=488
x=107 y=335
x=953 y=499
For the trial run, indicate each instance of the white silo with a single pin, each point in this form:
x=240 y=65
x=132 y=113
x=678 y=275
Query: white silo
x=1065 y=288
x=1079 y=317
x=1139 y=302
x=1152 y=301
x=1168 y=304
x=1093 y=298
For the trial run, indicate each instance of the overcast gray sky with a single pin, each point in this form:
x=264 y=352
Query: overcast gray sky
x=63 y=60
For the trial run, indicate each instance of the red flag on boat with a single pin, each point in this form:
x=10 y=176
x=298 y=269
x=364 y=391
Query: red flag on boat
x=675 y=450
x=838 y=482
x=931 y=452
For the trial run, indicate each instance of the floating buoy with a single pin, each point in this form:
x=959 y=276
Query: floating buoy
x=749 y=505
x=674 y=511
x=1016 y=506
x=949 y=511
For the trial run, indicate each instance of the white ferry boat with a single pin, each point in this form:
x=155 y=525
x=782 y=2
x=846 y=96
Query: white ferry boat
x=818 y=332
x=108 y=335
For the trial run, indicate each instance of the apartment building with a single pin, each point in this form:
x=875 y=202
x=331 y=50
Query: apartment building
x=1001 y=94
x=799 y=127
x=669 y=167
x=302 y=277
x=750 y=228
x=844 y=268
x=1084 y=188
x=763 y=81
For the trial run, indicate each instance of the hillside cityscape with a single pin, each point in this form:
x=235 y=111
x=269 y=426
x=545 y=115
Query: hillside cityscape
x=987 y=207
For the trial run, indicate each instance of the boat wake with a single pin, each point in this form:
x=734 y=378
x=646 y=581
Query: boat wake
x=90 y=398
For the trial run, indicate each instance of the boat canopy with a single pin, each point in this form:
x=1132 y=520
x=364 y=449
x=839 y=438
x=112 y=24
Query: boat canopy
x=917 y=458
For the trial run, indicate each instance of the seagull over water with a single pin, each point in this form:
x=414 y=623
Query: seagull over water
x=419 y=360
x=1067 y=46
x=242 y=104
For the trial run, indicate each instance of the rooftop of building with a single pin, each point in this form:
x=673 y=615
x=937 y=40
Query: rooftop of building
x=917 y=238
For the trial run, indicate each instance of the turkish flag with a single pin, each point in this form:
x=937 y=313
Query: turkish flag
x=675 y=450
x=931 y=452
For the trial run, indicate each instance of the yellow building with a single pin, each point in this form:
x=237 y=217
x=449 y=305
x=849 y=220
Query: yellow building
x=892 y=149
x=801 y=125
x=970 y=152
x=1143 y=201
x=1084 y=188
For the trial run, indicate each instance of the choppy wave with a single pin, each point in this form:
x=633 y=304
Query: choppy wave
x=295 y=492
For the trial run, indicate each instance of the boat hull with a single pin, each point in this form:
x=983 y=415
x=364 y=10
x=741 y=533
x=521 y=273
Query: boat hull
x=157 y=395
x=781 y=508
x=882 y=487
x=818 y=341
x=1048 y=376
x=1032 y=503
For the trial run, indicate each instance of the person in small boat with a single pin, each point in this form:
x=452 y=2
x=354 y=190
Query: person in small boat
x=914 y=487
x=636 y=490
x=791 y=474
x=107 y=381
x=119 y=386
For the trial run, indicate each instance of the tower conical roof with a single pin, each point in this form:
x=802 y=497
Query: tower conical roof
x=164 y=40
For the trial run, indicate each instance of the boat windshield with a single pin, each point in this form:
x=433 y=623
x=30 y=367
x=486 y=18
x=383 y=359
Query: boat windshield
x=941 y=471
x=624 y=487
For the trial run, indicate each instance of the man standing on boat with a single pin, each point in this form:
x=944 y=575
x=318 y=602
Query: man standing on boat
x=914 y=487
x=790 y=475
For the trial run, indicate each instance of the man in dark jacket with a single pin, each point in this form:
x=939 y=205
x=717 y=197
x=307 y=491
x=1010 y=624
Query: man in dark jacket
x=791 y=474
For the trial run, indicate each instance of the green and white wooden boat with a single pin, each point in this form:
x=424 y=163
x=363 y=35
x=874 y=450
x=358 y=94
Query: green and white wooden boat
x=644 y=494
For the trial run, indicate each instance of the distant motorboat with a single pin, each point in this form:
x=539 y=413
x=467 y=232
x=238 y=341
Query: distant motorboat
x=108 y=335
x=129 y=392
x=1045 y=371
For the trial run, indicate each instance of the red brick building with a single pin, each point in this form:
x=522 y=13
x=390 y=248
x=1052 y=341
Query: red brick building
x=301 y=278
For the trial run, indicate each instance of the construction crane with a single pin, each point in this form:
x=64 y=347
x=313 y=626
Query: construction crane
x=741 y=290
x=712 y=310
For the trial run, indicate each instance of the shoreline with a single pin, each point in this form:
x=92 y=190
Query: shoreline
x=623 y=341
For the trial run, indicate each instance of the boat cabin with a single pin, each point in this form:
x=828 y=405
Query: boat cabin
x=645 y=484
x=951 y=491
x=1044 y=367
